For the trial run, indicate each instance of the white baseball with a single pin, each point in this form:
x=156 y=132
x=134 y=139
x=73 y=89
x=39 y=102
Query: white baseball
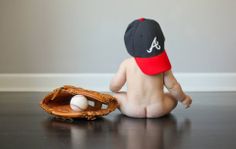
x=79 y=103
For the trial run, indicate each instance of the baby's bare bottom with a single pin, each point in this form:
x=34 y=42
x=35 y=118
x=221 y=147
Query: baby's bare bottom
x=156 y=110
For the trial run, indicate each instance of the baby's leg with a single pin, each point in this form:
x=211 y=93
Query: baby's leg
x=129 y=109
x=121 y=98
x=168 y=104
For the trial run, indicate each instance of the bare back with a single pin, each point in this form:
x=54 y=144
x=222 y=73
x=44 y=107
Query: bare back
x=142 y=89
x=145 y=96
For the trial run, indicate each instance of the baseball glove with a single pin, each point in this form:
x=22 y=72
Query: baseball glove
x=57 y=103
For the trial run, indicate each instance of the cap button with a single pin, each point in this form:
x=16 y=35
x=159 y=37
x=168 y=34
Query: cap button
x=141 y=19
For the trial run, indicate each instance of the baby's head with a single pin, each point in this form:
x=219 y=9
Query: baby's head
x=144 y=40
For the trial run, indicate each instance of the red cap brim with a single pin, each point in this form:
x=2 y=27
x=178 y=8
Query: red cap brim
x=154 y=65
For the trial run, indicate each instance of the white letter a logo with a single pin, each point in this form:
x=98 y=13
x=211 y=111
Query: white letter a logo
x=155 y=44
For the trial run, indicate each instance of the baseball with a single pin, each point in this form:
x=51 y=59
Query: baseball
x=79 y=103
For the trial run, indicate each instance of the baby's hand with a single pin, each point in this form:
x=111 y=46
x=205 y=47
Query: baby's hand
x=187 y=101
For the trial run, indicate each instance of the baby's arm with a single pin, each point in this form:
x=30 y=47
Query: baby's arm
x=119 y=79
x=175 y=89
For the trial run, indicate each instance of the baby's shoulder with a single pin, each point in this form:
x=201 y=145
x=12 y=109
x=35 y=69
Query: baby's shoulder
x=128 y=61
x=129 y=64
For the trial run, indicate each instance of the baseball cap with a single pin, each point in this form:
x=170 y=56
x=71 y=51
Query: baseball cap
x=144 y=40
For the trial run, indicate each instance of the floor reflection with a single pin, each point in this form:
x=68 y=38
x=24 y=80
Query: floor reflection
x=79 y=133
x=165 y=132
x=122 y=132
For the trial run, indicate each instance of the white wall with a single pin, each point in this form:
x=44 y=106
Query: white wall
x=86 y=36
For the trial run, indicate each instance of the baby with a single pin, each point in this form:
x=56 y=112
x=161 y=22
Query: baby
x=146 y=74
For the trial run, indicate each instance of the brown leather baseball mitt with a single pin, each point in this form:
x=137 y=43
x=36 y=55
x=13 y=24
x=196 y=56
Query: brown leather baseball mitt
x=57 y=103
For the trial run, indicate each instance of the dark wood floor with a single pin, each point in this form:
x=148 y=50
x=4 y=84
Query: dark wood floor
x=209 y=124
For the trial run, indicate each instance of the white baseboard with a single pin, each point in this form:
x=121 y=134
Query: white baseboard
x=100 y=81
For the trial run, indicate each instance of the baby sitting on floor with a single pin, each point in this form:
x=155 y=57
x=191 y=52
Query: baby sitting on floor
x=146 y=74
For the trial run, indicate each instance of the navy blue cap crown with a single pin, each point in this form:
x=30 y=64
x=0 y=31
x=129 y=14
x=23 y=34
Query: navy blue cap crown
x=144 y=38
